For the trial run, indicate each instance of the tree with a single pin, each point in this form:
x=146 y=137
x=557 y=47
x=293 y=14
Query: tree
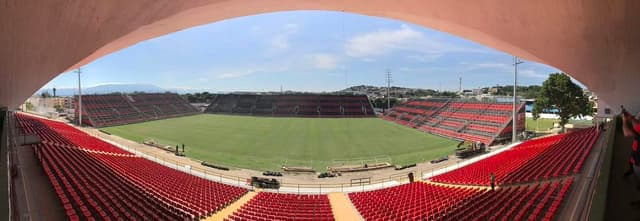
x=58 y=108
x=382 y=102
x=523 y=91
x=29 y=106
x=560 y=93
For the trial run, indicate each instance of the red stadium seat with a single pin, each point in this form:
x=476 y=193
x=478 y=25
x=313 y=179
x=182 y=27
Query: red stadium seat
x=276 y=206
x=94 y=179
x=420 y=201
x=533 y=160
x=482 y=122
x=118 y=109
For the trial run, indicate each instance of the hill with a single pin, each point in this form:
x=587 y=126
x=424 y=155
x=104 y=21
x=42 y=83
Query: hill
x=106 y=89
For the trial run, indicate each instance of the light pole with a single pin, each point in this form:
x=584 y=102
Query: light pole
x=514 y=136
x=388 y=89
x=79 y=98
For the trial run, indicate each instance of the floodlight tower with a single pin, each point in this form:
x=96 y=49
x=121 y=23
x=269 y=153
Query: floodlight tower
x=79 y=71
x=516 y=62
x=388 y=88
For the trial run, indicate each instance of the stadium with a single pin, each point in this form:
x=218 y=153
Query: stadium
x=315 y=156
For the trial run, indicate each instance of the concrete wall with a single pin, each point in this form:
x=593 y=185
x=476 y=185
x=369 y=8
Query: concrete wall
x=594 y=41
x=4 y=171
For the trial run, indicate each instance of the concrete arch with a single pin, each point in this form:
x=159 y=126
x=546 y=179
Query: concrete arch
x=594 y=41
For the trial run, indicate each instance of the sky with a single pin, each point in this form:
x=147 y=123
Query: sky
x=306 y=51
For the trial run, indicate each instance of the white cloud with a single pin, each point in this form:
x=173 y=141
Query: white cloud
x=423 y=70
x=251 y=69
x=106 y=83
x=424 y=57
x=324 y=61
x=488 y=65
x=228 y=75
x=405 y=38
x=281 y=41
x=381 y=41
x=531 y=74
x=236 y=73
x=505 y=68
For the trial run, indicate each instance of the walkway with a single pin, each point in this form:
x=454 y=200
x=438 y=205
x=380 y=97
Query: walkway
x=342 y=207
x=35 y=197
x=621 y=191
x=227 y=211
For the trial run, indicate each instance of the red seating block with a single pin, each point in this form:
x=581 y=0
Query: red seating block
x=532 y=160
x=95 y=180
x=275 y=206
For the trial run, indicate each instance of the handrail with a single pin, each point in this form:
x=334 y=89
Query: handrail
x=595 y=210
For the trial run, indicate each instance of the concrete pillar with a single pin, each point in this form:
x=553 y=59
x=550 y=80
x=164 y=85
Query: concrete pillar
x=4 y=182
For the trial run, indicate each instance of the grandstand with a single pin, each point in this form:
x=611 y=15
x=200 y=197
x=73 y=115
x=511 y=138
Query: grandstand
x=96 y=180
x=534 y=160
x=423 y=201
x=593 y=41
x=104 y=182
x=118 y=109
x=283 y=206
x=486 y=122
x=292 y=105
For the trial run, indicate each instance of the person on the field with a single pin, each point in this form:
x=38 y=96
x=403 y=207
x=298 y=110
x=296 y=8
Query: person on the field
x=493 y=181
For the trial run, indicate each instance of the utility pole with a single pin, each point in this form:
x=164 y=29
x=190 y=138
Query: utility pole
x=460 y=85
x=79 y=71
x=516 y=62
x=388 y=88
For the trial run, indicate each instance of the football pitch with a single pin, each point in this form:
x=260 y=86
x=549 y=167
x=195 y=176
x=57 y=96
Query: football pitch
x=266 y=143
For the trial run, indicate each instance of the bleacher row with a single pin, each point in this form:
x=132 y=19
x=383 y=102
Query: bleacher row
x=108 y=186
x=533 y=160
x=118 y=109
x=526 y=170
x=103 y=184
x=465 y=120
x=287 y=207
x=425 y=201
x=302 y=105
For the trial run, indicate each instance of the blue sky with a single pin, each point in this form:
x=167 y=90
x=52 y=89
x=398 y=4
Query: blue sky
x=306 y=51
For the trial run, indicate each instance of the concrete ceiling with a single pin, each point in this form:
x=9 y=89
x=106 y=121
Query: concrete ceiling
x=595 y=41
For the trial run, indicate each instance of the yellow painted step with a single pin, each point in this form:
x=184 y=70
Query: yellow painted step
x=459 y=185
x=342 y=207
x=227 y=211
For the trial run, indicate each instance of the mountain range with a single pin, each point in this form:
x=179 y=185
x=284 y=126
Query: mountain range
x=104 y=89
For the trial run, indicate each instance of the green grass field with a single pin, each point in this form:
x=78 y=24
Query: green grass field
x=264 y=143
x=541 y=124
x=546 y=124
